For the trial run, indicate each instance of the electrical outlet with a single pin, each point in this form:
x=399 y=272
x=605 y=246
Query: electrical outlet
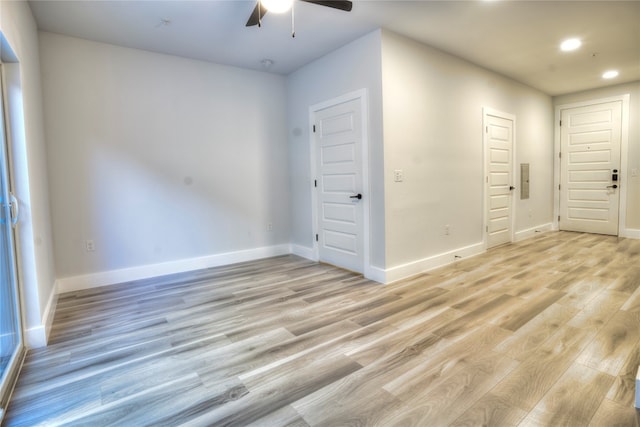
x=270 y=226
x=90 y=246
x=447 y=229
x=398 y=175
x=634 y=172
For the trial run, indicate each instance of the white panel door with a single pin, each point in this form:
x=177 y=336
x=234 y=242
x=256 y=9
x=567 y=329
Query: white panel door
x=590 y=138
x=499 y=180
x=338 y=141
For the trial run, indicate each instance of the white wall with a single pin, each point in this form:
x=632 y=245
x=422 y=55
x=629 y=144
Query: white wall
x=433 y=105
x=350 y=68
x=159 y=159
x=633 y=155
x=425 y=118
x=27 y=138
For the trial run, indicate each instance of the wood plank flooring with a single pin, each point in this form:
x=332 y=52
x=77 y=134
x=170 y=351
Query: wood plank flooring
x=545 y=332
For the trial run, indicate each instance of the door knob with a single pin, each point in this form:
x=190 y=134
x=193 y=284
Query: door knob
x=357 y=196
x=612 y=186
x=511 y=187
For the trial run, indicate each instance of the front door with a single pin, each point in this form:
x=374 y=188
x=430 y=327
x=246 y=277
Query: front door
x=590 y=138
x=499 y=179
x=339 y=186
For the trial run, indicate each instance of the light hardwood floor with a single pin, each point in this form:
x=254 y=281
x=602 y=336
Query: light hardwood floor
x=543 y=332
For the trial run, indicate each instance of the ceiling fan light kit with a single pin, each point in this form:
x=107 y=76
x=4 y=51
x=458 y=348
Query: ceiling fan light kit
x=281 y=6
x=277 y=6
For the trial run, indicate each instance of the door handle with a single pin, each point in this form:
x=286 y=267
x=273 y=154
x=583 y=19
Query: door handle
x=357 y=196
x=15 y=210
x=614 y=186
x=511 y=188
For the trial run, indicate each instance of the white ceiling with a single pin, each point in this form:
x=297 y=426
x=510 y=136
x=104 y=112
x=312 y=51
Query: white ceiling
x=518 y=39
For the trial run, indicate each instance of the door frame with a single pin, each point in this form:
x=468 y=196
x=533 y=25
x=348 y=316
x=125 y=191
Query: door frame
x=487 y=111
x=360 y=95
x=15 y=365
x=624 y=160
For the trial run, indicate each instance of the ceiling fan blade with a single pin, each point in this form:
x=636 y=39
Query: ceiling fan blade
x=336 y=4
x=254 y=19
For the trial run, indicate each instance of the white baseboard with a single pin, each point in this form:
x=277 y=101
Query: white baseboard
x=630 y=233
x=530 y=232
x=50 y=310
x=93 y=280
x=638 y=389
x=376 y=274
x=35 y=337
x=38 y=336
x=372 y=273
x=426 y=264
x=304 y=252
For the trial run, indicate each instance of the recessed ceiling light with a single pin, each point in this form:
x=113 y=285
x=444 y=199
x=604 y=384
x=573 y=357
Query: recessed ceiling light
x=611 y=74
x=570 y=44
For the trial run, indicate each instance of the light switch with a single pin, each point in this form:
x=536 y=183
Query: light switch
x=398 y=175
x=634 y=172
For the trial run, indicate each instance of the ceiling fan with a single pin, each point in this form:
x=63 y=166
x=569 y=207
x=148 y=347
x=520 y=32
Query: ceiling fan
x=279 y=6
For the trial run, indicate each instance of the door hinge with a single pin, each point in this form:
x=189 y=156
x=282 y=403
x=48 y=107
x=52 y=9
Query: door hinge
x=486 y=228
x=560 y=154
x=559 y=186
x=314 y=128
x=558 y=217
x=315 y=183
x=486 y=129
x=560 y=122
x=316 y=237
